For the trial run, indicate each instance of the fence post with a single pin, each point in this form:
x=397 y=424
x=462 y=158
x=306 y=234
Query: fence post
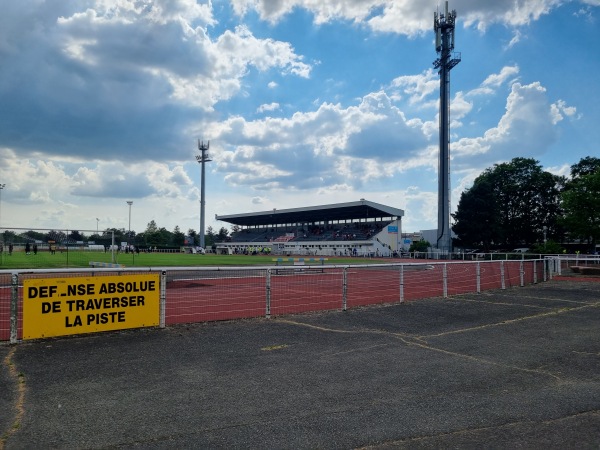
x=478 y=272
x=522 y=273
x=535 y=271
x=268 y=289
x=402 y=283
x=14 y=307
x=544 y=269
x=502 y=280
x=163 y=298
x=445 y=278
x=344 y=289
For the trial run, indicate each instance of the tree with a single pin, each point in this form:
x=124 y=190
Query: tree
x=419 y=246
x=585 y=166
x=8 y=236
x=526 y=199
x=152 y=235
x=151 y=227
x=210 y=232
x=164 y=236
x=581 y=204
x=178 y=237
x=35 y=235
x=548 y=248
x=75 y=236
x=56 y=236
x=195 y=237
x=223 y=234
x=120 y=233
x=209 y=237
x=477 y=219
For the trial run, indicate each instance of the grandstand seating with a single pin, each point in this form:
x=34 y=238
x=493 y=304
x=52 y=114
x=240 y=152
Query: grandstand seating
x=359 y=231
x=284 y=238
x=359 y=227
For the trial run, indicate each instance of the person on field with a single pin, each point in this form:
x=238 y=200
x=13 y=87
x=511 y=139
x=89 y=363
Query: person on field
x=27 y=248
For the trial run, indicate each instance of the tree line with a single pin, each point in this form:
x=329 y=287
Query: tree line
x=517 y=204
x=152 y=236
x=155 y=236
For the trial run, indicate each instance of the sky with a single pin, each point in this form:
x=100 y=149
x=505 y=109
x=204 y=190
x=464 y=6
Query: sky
x=304 y=102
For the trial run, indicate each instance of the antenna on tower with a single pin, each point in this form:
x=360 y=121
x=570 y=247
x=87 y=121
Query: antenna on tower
x=202 y=158
x=443 y=25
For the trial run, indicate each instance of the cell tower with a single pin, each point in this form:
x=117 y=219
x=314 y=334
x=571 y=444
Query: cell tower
x=443 y=25
x=202 y=158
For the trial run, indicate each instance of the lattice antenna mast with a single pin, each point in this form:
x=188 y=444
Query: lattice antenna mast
x=443 y=25
x=202 y=158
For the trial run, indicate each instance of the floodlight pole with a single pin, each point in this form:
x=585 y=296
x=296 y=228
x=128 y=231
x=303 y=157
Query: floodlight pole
x=97 y=222
x=443 y=25
x=2 y=186
x=129 y=202
x=202 y=158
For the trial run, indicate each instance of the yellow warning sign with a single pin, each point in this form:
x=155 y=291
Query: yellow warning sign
x=63 y=306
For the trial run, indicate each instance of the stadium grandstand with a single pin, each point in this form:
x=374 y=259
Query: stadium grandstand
x=361 y=228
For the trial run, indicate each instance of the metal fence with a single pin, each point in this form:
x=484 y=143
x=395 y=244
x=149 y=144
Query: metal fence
x=204 y=294
x=570 y=263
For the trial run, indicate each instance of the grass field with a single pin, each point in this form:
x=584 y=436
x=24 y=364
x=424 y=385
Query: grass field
x=74 y=259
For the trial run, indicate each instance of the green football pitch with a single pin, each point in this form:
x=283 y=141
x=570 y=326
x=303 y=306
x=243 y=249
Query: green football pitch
x=75 y=259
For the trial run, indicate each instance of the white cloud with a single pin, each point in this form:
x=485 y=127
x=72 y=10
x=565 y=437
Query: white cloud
x=508 y=74
x=402 y=16
x=258 y=200
x=527 y=128
x=586 y=12
x=515 y=39
x=460 y=107
x=497 y=79
x=268 y=107
x=240 y=49
x=324 y=11
x=417 y=87
x=563 y=170
x=101 y=78
x=560 y=109
x=330 y=146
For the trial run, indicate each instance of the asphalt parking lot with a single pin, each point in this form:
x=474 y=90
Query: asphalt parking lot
x=516 y=368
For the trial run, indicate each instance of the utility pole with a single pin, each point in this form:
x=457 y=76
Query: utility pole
x=202 y=158
x=443 y=25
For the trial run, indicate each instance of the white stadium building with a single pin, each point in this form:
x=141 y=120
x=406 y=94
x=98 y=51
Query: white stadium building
x=361 y=228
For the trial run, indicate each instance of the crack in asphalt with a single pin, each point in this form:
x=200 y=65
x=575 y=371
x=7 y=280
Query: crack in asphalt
x=19 y=408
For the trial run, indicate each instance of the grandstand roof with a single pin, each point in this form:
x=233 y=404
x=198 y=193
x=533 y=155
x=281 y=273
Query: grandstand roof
x=339 y=211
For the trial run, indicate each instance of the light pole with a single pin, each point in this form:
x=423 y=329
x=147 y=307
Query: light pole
x=2 y=185
x=97 y=221
x=129 y=202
